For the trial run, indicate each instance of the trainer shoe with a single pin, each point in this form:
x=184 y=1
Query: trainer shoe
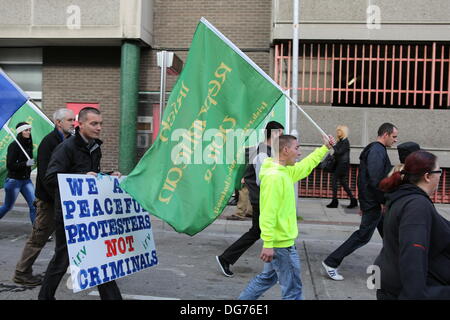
x=332 y=272
x=225 y=267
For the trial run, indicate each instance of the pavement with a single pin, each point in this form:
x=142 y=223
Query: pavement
x=187 y=269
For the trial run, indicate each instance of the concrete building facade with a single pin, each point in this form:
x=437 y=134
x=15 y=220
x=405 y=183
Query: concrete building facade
x=65 y=51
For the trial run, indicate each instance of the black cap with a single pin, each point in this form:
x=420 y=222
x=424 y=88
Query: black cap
x=405 y=149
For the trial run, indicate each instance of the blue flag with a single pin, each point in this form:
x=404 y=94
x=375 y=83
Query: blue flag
x=16 y=107
x=11 y=98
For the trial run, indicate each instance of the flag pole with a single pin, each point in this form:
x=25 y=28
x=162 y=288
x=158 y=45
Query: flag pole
x=38 y=110
x=307 y=116
x=15 y=139
x=260 y=71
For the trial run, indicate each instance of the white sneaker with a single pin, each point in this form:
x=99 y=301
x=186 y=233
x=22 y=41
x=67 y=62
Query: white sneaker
x=332 y=272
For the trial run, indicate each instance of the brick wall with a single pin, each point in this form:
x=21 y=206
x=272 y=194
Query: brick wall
x=86 y=74
x=92 y=74
x=246 y=23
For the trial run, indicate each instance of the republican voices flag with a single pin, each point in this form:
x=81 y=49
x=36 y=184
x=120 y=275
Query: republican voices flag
x=187 y=177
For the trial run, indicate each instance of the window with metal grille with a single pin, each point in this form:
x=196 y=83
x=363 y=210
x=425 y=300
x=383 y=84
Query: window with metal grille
x=369 y=74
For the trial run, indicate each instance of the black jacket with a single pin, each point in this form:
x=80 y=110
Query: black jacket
x=374 y=166
x=415 y=259
x=342 y=151
x=342 y=156
x=72 y=156
x=45 y=150
x=250 y=174
x=16 y=161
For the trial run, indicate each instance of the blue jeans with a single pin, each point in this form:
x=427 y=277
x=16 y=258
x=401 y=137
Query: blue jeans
x=285 y=268
x=12 y=189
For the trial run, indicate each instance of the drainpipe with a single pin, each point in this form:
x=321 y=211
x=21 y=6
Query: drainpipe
x=129 y=99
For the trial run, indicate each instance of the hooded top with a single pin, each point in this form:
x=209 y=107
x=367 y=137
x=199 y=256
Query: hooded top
x=415 y=259
x=374 y=166
x=278 y=216
x=16 y=161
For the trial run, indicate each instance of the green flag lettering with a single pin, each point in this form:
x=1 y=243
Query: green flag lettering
x=188 y=175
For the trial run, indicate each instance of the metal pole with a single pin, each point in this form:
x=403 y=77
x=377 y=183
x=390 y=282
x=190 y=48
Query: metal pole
x=323 y=133
x=162 y=97
x=294 y=86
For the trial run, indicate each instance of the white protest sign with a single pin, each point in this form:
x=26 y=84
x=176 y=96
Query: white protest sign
x=109 y=234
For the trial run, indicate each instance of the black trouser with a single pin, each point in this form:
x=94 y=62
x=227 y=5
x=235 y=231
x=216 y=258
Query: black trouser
x=340 y=174
x=233 y=253
x=58 y=267
x=369 y=221
x=384 y=295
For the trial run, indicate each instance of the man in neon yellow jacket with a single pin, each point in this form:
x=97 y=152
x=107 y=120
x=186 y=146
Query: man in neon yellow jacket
x=278 y=220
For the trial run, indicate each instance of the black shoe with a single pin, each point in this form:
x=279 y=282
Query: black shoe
x=333 y=204
x=233 y=202
x=235 y=217
x=225 y=267
x=353 y=203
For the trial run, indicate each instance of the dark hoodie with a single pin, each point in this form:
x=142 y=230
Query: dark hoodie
x=415 y=259
x=374 y=166
x=16 y=161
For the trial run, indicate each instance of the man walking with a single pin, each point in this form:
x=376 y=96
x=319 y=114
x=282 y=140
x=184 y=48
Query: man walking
x=44 y=225
x=79 y=154
x=233 y=252
x=278 y=219
x=374 y=166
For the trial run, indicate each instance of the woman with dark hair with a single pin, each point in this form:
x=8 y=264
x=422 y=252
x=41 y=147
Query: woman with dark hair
x=19 y=170
x=415 y=259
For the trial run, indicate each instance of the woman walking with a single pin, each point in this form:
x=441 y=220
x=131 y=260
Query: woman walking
x=415 y=259
x=342 y=160
x=19 y=169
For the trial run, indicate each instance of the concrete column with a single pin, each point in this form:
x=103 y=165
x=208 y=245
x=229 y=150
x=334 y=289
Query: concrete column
x=129 y=98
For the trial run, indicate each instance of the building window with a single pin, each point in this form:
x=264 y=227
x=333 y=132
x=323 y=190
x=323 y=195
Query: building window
x=369 y=74
x=148 y=120
x=24 y=66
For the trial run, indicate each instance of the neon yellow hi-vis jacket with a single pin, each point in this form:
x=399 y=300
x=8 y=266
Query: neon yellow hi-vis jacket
x=278 y=218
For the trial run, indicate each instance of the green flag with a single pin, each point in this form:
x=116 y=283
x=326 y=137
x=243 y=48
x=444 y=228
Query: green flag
x=278 y=113
x=41 y=126
x=188 y=175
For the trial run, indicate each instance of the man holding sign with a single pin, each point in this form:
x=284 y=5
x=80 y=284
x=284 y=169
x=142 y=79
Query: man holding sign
x=79 y=154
